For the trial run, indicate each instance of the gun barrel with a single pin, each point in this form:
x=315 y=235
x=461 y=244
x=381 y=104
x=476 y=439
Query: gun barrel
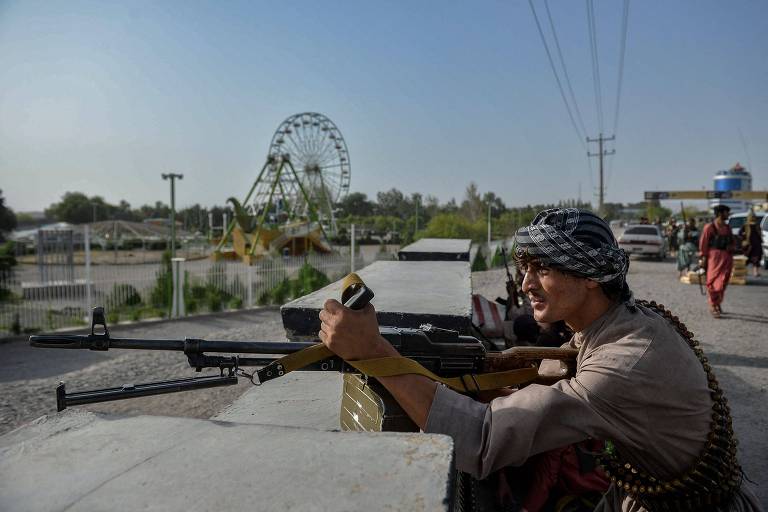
x=99 y=342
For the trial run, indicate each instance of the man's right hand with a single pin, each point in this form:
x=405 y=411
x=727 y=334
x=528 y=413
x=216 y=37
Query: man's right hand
x=352 y=334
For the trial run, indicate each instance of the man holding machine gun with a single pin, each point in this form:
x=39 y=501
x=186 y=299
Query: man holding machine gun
x=641 y=383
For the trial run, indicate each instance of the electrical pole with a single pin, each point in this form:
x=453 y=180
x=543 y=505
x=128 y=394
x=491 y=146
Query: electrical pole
x=600 y=154
x=173 y=177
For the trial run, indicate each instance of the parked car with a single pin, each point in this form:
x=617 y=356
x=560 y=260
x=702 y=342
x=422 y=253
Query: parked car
x=643 y=239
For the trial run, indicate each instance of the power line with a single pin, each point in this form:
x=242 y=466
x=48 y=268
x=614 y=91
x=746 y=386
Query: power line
x=595 y=63
x=565 y=70
x=554 y=72
x=624 y=23
x=622 y=52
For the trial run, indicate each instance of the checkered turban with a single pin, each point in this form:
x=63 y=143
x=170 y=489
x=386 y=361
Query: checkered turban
x=575 y=241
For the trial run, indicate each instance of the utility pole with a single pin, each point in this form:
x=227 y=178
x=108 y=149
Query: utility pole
x=173 y=177
x=600 y=154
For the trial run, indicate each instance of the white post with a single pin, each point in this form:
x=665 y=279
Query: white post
x=352 y=248
x=177 y=304
x=88 y=300
x=249 y=281
x=224 y=225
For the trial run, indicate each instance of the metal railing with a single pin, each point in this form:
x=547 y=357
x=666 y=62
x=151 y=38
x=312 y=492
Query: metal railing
x=142 y=291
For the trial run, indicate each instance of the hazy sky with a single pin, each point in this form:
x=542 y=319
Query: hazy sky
x=103 y=97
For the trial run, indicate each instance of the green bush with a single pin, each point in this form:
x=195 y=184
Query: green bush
x=497 y=260
x=123 y=294
x=113 y=316
x=191 y=305
x=214 y=300
x=7 y=262
x=308 y=280
x=16 y=325
x=235 y=303
x=198 y=292
x=478 y=264
x=160 y=296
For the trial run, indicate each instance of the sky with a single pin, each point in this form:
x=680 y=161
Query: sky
x=104 y=97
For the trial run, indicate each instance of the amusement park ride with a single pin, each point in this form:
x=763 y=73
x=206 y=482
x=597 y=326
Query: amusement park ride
x=290 y=207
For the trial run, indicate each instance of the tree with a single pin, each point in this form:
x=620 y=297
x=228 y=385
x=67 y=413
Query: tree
x=473 y=206
x=356 y=203
x=454 y=225
x=160 y=210
x=497 y=204
x=654 y=212
x=75 y=208
x=7 y=218
x=392 y=203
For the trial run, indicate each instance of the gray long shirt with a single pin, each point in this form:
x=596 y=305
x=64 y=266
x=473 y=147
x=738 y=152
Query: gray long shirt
x=637 y=382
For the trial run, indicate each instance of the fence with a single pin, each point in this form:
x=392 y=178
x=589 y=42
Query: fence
x=134 y=292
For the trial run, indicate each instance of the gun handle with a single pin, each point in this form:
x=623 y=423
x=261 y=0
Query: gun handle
x=355 y=295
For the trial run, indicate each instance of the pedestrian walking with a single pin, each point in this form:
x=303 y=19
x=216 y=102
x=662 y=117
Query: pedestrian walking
x=688 y=242
x=751 y=238
x=671 y=233
x=717 y=245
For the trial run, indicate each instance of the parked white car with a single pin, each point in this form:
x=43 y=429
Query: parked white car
x=643 y=239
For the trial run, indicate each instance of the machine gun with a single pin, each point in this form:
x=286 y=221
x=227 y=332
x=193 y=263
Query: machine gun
x=444 y=354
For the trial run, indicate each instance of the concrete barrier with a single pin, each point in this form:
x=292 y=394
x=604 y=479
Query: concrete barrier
x=91 y=462
x=436 y=249
x=408 y=294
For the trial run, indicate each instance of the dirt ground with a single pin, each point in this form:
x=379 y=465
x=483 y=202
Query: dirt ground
x=736 y=346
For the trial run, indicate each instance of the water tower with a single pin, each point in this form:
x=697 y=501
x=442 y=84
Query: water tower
x=737 y=178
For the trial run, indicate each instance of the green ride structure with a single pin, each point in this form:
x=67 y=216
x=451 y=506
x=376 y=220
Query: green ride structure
x=289 y=209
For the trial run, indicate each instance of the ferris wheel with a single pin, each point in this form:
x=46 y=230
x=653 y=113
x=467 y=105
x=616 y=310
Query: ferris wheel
x=318 y=155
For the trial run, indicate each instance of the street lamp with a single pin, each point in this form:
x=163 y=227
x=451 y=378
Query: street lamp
x=173 y=177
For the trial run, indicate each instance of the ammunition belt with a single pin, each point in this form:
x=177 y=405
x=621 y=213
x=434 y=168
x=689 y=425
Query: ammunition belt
x=712 y=479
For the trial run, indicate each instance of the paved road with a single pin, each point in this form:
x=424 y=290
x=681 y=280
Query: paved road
x=735 y=344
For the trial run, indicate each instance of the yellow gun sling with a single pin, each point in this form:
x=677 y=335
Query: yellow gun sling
x=392 y=366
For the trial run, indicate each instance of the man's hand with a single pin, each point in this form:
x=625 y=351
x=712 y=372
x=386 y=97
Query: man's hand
x=353 y=334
